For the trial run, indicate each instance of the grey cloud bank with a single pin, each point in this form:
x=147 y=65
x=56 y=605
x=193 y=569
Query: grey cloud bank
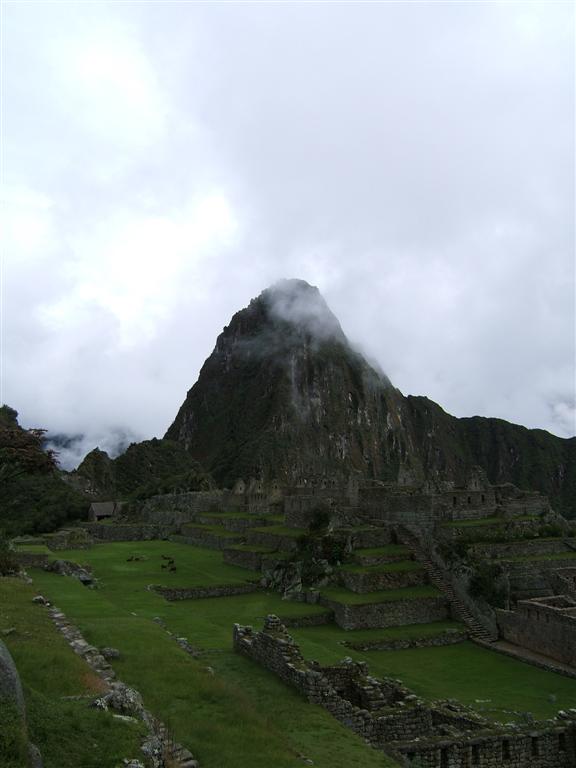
x=166 y=162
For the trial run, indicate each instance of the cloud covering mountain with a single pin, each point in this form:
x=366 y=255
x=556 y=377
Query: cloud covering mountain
x=164 y=163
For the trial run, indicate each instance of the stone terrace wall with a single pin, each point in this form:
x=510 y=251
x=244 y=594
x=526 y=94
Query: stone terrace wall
x=542 y=628
x=373 y=581
x=497 y=532
x=175 y=509
x=564 y=581
x=31 y=559
x=533 y=578
x=199 y=593
x=551 y=748
x=243 y=558
x=449 y=637
x=393 y=613
x=526 y=548
x=126 y=531
x=389 y=718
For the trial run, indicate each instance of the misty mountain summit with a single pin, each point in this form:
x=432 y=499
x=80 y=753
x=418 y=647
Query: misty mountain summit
x=284 y=395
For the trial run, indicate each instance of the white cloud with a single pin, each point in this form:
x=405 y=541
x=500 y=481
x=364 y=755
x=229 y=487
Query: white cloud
x=415 y=161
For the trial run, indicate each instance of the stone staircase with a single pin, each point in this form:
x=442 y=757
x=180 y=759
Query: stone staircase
x=477 y=630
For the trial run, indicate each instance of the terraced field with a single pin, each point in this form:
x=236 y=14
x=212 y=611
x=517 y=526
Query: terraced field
x=232 y=713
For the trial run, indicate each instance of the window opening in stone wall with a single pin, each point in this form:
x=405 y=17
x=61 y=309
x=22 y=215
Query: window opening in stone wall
x=483 y=499
x=475 y=755
x=505 y=750
x=535 y=747
x=469 y=499
x=562 y=742
x=444 y=763
x=454 y=501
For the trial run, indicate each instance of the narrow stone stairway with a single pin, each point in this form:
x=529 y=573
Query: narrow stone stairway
x=477 y=630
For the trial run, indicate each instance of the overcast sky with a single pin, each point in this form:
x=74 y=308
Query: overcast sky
x=163 y=163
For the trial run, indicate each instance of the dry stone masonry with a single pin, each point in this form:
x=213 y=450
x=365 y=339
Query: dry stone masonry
x=389 y=717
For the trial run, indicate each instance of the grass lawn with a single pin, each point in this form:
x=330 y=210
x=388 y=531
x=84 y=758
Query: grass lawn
x=397 y=566
x=217 y=530
x=251 y=548
x=229 y=711
x=68 y=733
x=34 y=549
x=331 y=635
x=281 y=530
x=342 y=595
x=493 y=684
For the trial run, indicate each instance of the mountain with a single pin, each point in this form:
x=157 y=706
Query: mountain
x=144 y=469
x=284 y=395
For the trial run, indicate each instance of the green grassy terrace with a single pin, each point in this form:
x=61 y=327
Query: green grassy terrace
x=33 y=549
x=342 y=595
x=281 y=530
x=395 y=567
x=407 y=632
x=388 y=549
x=251 y=548
x=217 y=530
x=68 y=733
x=230 y=711
x=498 y=687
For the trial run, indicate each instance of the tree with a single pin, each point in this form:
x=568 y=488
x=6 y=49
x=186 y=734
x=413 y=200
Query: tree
x=22 y=452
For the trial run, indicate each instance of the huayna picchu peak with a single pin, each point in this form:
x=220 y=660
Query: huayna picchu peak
x=284 y=395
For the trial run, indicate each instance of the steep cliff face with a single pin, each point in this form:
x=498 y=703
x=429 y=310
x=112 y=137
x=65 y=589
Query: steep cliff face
x=284 y=395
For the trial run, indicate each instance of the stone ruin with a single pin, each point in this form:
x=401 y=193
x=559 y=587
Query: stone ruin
x=546 y=625
x=391 y=718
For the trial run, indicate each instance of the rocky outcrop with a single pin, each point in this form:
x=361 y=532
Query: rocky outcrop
x=13 y=711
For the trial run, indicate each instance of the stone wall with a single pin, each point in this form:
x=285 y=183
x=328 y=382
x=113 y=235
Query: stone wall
x=127 y=531
x=69 y=538
x=368 y=538
x=506 y=529
x=533 y=578
x=175 y=509
x=373 y=581
x=203 y=537
x=311 y=620
x=393 y=613
x=564 y=581
x=449 y=637
x=199 y=593
x=390 y=718
x=547 y=626
x=31 y=559
x=243 y=558
x=520 y=548
x=272 y=540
